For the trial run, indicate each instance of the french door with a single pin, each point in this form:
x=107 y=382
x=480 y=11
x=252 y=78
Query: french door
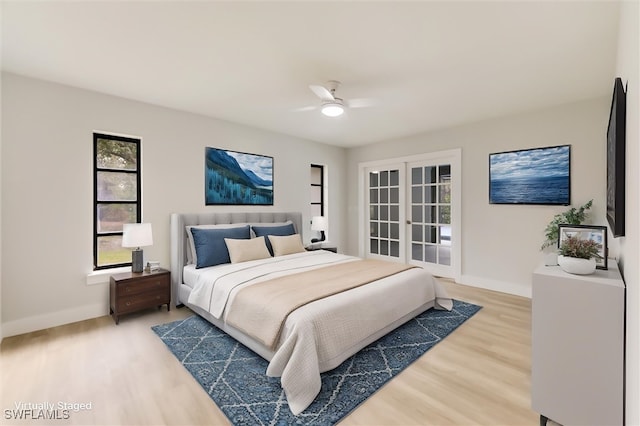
x=386 y=216
x=412 y=212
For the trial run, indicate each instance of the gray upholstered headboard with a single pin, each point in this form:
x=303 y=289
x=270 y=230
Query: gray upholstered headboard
x=179 y=234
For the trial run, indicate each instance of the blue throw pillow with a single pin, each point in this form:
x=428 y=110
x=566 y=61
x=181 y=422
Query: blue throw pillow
x=210 y=247
x=263 y=231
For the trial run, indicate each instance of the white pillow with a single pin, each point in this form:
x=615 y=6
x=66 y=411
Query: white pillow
x=192 y=256
x=245 y=250
x=287 y=244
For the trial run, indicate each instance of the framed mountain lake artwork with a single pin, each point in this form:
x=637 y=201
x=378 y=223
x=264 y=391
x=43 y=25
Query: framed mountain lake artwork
x=531 y=176
x=237 y=178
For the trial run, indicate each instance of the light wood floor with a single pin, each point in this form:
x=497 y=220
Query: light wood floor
x=480 y=374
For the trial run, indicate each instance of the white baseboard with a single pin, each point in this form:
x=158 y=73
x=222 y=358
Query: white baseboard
x=53 y=319
x=495 y=285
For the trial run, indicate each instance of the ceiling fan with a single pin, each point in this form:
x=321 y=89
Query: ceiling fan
x=333 y=106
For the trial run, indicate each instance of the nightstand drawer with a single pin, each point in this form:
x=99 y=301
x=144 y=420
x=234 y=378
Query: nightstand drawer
x=143 y=285
x=141 y=301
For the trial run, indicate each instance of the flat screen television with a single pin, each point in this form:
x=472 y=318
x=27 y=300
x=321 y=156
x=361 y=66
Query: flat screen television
x=531 y=176
x=616 y=160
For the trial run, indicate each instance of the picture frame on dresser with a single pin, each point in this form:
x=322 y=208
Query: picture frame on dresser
x=587 y=232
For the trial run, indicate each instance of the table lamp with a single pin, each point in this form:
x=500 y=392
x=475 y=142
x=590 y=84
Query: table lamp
x=136 y=235
x=319 y=223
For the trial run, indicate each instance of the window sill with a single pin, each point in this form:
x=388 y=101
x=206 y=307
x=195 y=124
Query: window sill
x=102 y=276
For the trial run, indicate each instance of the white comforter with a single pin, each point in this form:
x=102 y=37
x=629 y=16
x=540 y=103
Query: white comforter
x=320 y=335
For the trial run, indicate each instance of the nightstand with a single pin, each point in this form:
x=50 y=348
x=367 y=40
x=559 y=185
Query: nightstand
x=322 y=247
x=133 y=291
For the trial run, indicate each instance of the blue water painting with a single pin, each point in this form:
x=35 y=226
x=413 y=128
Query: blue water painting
x=237 y=178
x=535 y=176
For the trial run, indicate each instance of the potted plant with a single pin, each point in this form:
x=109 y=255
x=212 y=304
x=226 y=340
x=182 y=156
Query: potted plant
x=573 y=216
x=578 y=256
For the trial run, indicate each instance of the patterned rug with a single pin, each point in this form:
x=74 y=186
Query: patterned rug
x=234 y=376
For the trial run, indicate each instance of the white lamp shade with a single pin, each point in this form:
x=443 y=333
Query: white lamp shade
x=136 y=235
x=319 y=223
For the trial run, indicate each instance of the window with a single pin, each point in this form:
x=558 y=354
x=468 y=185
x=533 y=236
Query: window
x=116 y=195
x=317 y=190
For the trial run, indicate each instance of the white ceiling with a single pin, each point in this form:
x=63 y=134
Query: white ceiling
x=429 y=64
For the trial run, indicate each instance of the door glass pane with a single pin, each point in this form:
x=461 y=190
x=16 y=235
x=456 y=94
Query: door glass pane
x=373 y=195
x=384 y=212
x=373 y=212
x=416 y=252
x=430 y=174
x=444 y=255
x=429 y=214
x=394 y=213
x=430 y=254
x=430 y=194
x=416 y=176
x=445 y=214
x=384 y=247
x=416 y=233
x=373 y=246
x=430 y=234
x=384 y=230
x=394 y=249
x=416 y=214
x=373 y=229
x=445 y=194
x=416 y=194
x=445 y=173
x=394 y=231
x=394 y=195
x=394 y=178
x=384 y=195
x=384 y=178
x=373 y=180
x=445 y=235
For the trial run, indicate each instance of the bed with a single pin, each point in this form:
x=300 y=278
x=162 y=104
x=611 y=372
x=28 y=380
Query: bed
x=314 y=337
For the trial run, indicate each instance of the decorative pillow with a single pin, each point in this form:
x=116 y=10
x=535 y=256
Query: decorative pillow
x=266 y=230
x=191 y=250
x=245 y=250
x=210 y=247
x=287 y=244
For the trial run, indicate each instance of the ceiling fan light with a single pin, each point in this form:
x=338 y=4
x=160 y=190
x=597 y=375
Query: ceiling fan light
x=332 y=109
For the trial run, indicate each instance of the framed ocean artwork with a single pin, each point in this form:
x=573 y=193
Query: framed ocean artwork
x=531 y=176
x=237 y=178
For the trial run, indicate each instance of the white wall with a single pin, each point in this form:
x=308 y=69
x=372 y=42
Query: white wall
x=500 y=243
x=47 y=189
x=1 y=332
x=628 y=68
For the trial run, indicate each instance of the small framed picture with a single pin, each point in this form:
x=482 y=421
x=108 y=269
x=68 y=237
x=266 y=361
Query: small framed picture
x=587 y=232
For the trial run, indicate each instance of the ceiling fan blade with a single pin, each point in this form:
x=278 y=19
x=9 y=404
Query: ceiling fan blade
x=361 y=103
x=321 y=92
x=305 y=108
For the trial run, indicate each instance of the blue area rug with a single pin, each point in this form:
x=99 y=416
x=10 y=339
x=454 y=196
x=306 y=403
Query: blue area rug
x=234 y=376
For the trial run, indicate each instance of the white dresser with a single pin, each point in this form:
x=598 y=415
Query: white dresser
x=577 y=360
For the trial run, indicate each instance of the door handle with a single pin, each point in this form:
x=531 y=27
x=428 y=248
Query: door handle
x=408 y=222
